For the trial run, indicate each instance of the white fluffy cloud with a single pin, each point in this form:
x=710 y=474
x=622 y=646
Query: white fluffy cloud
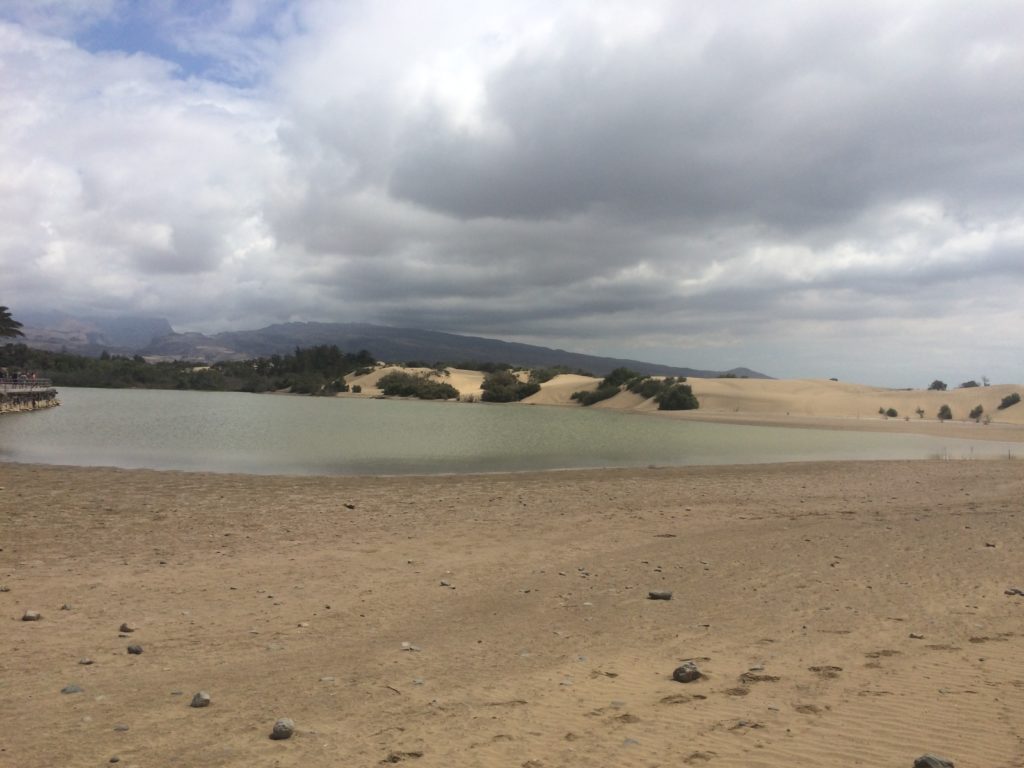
x=800 y=187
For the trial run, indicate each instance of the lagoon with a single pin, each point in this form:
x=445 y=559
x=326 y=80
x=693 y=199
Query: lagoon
x=300 y=435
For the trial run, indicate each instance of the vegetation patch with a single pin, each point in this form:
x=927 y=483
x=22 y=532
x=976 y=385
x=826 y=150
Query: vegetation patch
x=671 y=394
x=505 y=387
x=1009 y=400
x=401 y=384
x=317 y=370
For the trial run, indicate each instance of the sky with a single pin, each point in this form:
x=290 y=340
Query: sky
x=810 y=189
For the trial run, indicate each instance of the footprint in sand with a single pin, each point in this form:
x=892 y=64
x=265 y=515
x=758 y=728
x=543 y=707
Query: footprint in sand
x=696 y=758
x=827 y=672
x=807 y=709
x=682 y=698
x=755 y=677
x=884 y=653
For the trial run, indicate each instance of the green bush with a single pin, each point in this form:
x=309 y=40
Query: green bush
x=400 y=384
x=677 y=397
x=620 y=376
x=541 y=375
x=1009 y=400
x=976 y=412
x=648 y=387
x=891 y=413
x=938 y=386
x=505 y=387
x=945 y=413
x=969 y=384
x=595 y=396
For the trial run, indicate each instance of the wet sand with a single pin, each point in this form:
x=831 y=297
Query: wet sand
x=797 y=588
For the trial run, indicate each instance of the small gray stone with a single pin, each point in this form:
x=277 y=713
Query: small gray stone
x=4 y=588
x=283 y=729
x=121 y=728
x=686 y=673
x=127 y=628
x=445 y=583
x=65 y=607
x=135 y=650
x=200 y=700
x=31 y=616
x=659 y=594
x=85 y=662
x=932 y=761
x=115 y=759
x=72 y=688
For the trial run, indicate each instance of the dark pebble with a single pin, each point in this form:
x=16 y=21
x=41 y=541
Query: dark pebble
x=686 y=673
x=659 y=595
x=283 y=729
x=135 y=650
x=932 y=761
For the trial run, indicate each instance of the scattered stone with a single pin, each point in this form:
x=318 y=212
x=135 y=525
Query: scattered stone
x=65 y=607
x=916 y=636
x=72 y=688
x=686 y=673
x=932 y=761
x=407 y=646
x=1013 y=591
x=659 y=595
x=200 y=700
x=349 y=506
x=326 y=679
x=85 y=661
x=283 y=729
x=115 y=759
x=445 y=583
x=121 y=728
x=127 y=628
x=31 y=616
x=4 y=588
x=135 y=650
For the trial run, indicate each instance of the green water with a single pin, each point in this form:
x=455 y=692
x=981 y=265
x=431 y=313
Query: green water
x=268 y=434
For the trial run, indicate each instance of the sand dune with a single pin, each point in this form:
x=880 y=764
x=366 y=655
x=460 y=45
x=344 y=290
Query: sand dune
x=848 y=614
x=794 y=402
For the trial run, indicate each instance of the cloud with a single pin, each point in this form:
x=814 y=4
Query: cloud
x=692 y=180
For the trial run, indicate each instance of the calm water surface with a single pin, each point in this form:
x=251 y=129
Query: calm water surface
x=267 y=434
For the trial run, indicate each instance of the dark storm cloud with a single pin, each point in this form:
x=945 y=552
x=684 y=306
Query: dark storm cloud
x=797 y=125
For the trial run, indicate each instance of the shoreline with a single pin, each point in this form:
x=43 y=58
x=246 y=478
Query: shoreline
x=801 y=590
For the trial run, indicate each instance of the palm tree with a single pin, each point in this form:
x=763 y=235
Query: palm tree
x=8 y=325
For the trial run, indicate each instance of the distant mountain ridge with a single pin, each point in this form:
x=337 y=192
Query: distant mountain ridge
x=54 y=331
x=404 y=344
x=154 y=338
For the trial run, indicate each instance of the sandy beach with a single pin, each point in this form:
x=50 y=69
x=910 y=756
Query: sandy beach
x=850 y=614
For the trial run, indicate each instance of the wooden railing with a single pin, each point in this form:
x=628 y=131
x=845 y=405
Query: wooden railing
x=24 y=385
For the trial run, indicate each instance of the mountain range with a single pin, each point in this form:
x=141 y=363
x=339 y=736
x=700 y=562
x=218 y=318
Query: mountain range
x=155 y=339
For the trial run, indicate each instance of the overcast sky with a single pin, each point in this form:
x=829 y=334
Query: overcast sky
x=811 y=189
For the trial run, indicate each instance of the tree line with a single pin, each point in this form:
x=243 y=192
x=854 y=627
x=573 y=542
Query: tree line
x=315 y=370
